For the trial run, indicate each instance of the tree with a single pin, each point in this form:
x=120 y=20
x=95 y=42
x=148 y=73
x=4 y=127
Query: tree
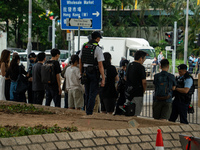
x=15 y=12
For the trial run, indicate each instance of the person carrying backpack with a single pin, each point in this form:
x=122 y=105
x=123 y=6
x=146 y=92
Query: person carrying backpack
x=121 y=88
x=183 y=93
x=190 y=62
x=50 y=73
x=164 y=83
x=14 y=72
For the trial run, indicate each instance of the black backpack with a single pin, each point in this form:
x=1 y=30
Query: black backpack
x=88 y=51
x=162 y=89
x=22 y=82
x=48 y=75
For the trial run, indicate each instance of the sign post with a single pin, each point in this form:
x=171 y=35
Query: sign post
x=168 y=48
x=69 y=41
x=90 y=12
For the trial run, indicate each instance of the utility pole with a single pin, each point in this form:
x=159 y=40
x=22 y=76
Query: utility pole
x=186 y=35
x=29 y=45
x=174 y=51
x=79 y=35
x=72 y=43
x=53 y=31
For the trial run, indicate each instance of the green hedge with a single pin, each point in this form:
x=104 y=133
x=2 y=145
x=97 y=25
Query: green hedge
x=15 y=131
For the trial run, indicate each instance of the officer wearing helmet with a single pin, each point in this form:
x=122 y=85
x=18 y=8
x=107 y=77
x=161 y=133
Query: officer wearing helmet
x=91 y=67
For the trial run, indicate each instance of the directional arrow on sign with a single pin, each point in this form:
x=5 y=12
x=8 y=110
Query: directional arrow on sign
x=79 y=22
x=97 y=13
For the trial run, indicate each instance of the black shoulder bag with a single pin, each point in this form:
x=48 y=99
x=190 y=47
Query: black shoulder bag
x=22 y=83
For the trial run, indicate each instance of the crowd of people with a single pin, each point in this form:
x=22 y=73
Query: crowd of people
x=90 y=77
x=193 y=64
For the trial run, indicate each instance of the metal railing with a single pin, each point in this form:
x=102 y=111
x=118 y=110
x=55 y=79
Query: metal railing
x=148 y=102
x=150 y=73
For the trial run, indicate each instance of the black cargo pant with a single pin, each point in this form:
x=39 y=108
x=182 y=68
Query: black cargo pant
x=30 y=93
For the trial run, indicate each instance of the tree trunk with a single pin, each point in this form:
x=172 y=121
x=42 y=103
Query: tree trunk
x=37 y=41
x=7 y=30
x=15 y=25
x=19 y=41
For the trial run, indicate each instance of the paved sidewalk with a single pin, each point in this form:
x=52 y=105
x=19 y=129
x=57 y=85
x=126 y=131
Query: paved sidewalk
x=121 y=139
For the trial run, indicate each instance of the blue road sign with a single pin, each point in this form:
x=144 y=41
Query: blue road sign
x=85 y=9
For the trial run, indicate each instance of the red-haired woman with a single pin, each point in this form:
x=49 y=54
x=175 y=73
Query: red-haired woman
x=4 y=65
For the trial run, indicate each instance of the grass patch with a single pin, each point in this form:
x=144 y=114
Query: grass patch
x=178 y=62
x=26 y=109
x=15 y=131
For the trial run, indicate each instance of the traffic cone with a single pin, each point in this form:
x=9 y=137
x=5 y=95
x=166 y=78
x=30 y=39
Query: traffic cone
x=159 y=141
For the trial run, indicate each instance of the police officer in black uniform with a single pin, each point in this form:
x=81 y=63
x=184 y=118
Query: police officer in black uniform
x=182 y=93
x=32 y=60
x=91 y=67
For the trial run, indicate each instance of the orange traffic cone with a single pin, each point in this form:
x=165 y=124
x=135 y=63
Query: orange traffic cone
x=159 y=141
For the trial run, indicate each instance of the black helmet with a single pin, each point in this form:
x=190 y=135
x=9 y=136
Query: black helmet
x=96 y=34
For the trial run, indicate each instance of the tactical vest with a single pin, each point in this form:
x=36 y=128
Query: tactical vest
x=88 y=51
x=182 y=97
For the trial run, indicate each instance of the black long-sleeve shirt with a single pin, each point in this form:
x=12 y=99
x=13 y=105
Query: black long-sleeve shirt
x=13 y=74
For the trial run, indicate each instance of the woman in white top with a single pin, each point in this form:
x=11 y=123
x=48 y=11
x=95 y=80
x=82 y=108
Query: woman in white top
x=5 y=82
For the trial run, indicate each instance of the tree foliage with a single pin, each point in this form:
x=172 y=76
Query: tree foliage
x=118 y=22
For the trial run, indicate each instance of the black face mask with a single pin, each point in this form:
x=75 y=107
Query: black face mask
x=31 y=61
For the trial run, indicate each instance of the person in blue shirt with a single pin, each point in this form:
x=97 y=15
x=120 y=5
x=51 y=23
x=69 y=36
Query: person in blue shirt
x=154 y=64
x=195 y=64
x=191 y=60
x=160 y=57
x=198 y=63
x=182 y=93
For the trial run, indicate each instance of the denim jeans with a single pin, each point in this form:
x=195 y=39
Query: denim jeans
x=12 y=89
x=53 y=94
x=91 y=90
x=18 y=97
x=190 y=69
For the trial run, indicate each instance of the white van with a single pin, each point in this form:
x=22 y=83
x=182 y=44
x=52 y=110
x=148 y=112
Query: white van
x=121 y=46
